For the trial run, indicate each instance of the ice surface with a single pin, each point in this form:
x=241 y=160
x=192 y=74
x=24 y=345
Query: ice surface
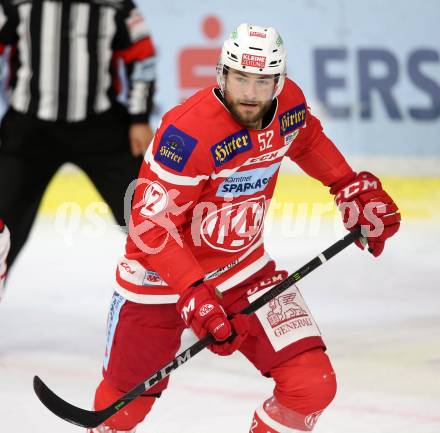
x=380 y=319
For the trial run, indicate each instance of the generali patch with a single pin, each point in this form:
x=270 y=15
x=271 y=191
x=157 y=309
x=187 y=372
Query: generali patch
x=286 y=319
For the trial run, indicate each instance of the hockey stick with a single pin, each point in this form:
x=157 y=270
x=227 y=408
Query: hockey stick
x=90 y=419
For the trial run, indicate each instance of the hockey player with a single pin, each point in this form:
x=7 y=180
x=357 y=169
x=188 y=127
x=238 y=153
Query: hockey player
x=196 y=231
x=4 y=249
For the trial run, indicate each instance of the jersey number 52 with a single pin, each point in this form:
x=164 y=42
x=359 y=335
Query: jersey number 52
x=265 y=140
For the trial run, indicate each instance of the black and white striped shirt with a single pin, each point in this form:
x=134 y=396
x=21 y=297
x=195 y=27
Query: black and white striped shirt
x=66 y=57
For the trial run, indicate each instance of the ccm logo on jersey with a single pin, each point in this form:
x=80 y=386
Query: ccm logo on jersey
x=175 y=148
x=268 y=156
x=127 y=268
x=292 y=119
x=231 y=146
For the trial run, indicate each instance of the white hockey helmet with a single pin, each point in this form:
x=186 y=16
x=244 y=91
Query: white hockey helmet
x=255 y=49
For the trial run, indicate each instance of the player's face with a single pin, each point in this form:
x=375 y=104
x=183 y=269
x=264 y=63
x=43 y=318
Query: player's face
x=248 y=96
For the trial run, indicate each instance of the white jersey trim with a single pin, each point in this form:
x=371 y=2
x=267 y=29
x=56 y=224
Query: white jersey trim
x=276 y=155
x=146 y=299
x=171 y=177
x=220 y=271
x=134 y=273
x=192 y=181
x=244 y=273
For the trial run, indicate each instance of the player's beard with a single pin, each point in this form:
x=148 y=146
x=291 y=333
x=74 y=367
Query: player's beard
x=249 y=120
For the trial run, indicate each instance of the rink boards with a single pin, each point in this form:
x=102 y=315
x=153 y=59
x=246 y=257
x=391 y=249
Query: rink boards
x=296 y=195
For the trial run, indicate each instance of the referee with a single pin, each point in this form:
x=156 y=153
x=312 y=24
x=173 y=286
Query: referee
x=66 y=59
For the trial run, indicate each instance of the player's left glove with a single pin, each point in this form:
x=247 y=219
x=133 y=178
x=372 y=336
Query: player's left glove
x=240 y=326
x=199 y=307
x=363 y=202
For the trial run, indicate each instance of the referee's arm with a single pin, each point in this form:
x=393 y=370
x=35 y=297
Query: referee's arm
x=134 y=46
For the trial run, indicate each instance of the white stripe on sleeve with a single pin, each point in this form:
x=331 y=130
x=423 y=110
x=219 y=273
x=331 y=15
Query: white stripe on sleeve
x=171 y=177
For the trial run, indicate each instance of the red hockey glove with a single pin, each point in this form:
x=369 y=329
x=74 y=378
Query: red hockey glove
x=363 y=202
x=240 y=325
x=200 y=310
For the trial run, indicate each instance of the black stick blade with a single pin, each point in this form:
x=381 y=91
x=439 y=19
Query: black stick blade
x=63 y=409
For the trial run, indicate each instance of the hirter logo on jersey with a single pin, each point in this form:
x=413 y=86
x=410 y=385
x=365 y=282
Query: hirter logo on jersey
x=292 y=119
x=231 y=146
x=234 y=227
x=253 y=61
x=175 y=148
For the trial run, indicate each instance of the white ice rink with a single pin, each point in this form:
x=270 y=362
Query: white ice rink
x=380 y=319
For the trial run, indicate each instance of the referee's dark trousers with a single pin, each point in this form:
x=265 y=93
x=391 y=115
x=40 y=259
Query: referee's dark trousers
x=32 y=150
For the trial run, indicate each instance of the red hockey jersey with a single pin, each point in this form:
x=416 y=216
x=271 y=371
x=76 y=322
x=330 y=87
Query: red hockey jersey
x=204 y=189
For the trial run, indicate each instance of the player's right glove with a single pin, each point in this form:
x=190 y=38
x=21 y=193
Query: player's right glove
x=200 y=309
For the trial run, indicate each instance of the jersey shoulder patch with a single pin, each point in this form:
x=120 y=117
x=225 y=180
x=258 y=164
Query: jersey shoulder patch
x=175 y=148
x=293 y=109
x=292 y=119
